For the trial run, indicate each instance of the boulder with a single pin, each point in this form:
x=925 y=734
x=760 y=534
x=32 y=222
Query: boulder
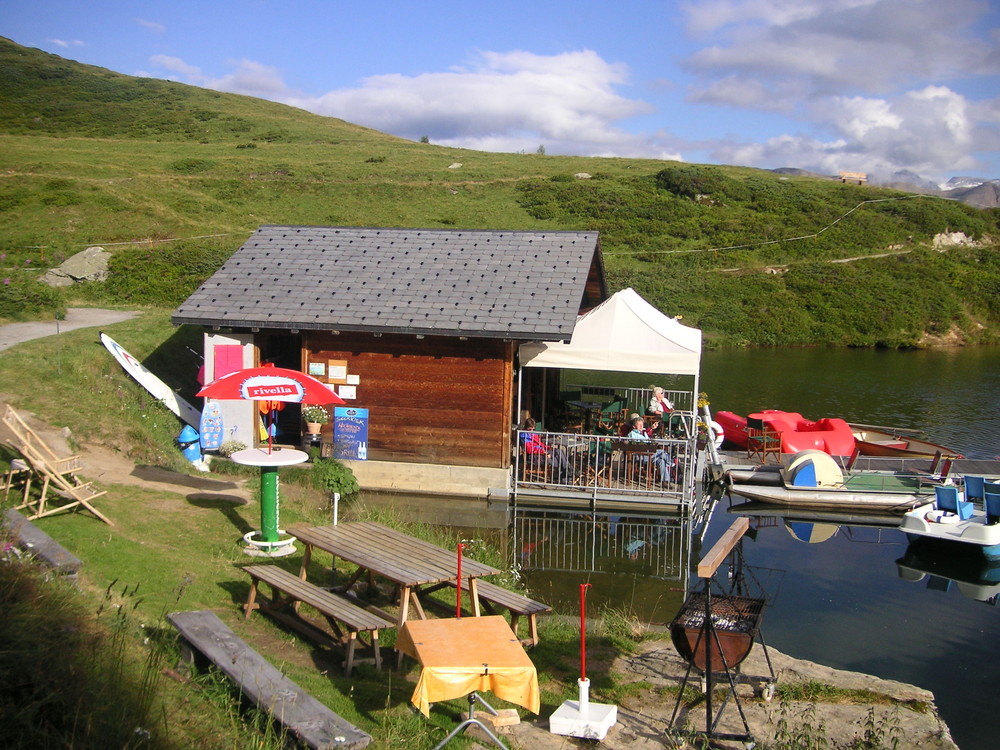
x=89 y=265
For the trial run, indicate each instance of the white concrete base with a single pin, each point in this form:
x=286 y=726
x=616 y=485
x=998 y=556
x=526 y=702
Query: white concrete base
x=260 y=548
x=581 y=718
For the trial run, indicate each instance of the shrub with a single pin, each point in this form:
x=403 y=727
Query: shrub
x=22 y=297
x=331 y=475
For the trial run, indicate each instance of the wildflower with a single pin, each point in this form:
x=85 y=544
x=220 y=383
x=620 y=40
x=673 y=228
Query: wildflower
x=6 y=282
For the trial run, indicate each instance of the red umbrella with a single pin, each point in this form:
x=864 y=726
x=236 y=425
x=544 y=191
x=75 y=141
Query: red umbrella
x=271 y=383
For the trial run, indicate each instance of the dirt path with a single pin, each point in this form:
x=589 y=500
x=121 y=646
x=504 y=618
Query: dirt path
x=102 y=464
x=76 y=317
x=106 y=467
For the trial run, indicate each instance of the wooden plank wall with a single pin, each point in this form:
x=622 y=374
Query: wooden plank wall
x=434 y=400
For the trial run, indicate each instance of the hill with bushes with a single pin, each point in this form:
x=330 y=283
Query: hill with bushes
x=172 y=179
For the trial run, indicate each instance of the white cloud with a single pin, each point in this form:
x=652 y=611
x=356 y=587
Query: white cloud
x=567 y=97
x=879 y=76
x=931 y=131
x=253 y=79
x=63 y=43
x=503 y=101
x=191 y=73
x=155 y=26
x=838 y=46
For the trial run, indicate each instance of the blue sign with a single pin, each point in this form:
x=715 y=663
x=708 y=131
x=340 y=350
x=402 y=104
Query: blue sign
x=350 y=433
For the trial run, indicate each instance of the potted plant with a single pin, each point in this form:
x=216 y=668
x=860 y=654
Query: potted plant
x=315 y=417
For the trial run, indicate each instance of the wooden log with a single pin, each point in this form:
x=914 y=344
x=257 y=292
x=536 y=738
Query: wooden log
x=46 y=549
x=311 y=722
x=713 y=559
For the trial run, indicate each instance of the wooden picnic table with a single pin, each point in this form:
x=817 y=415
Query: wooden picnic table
x=408 y=562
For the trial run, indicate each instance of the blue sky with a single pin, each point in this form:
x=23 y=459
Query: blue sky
x=871 y=86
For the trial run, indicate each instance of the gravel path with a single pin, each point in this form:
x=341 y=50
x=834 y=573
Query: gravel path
x=76 y=317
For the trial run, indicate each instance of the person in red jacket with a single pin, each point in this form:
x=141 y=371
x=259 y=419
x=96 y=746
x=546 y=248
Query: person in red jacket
x=555 y=457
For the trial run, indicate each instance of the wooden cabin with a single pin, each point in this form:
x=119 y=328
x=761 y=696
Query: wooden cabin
x=421 y=325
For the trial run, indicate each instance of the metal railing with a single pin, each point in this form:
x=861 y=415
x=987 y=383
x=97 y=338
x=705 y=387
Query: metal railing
x=548 y=540
x=589 y=465
x=637 y=399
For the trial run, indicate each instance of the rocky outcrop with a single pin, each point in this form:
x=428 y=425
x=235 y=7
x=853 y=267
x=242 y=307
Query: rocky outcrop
x=89 y=265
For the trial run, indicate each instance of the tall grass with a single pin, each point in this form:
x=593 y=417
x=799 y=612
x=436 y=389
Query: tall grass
x=69 y=678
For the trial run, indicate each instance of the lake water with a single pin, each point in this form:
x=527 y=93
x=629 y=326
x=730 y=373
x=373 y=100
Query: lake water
x=842 y=602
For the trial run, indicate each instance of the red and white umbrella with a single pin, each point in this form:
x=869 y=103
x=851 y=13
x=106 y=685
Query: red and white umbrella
x=271 y=383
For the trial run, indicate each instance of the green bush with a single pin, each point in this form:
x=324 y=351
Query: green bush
x=331 y=475
x=24 y=298
x=163 y=275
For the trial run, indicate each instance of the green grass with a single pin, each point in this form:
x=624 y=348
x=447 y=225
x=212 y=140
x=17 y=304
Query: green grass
x=180 y=176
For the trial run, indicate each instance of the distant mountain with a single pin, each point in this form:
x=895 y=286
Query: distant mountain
x=975 y=191
x=984 y=195
x=956 y=183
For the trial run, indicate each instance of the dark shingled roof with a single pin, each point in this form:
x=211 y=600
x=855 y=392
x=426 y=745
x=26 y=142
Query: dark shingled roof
x=491 y=284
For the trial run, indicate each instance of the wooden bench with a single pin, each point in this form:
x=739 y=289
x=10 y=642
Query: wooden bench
x=306 y=718
x=492 y=596
x=289 y=591
x=47 y=550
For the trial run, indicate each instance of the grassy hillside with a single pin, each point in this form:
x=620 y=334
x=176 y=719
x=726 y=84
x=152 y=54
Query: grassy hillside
x=173 y=178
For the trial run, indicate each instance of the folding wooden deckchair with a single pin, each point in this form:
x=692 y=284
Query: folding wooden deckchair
x=55 y=473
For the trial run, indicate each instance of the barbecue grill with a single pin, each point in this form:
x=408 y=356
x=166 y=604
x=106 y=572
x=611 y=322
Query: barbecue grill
x=735 y=619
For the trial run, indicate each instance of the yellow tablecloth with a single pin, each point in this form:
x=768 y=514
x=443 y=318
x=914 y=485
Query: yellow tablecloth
x=469 y=654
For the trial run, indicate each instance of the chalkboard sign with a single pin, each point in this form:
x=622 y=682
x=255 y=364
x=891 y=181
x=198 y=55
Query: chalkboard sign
x=350 y=433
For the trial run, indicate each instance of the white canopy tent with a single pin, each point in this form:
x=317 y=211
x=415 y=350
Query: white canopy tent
x=622 y=334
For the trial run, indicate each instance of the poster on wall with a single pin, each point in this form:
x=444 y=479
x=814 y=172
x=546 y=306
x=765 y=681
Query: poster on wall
x=350 y=433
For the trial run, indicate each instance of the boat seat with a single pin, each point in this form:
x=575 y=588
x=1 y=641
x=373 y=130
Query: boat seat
x=991 y=501
x=947 y=499
x=974 y=487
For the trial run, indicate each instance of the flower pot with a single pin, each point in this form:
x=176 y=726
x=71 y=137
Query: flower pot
x=313 y=428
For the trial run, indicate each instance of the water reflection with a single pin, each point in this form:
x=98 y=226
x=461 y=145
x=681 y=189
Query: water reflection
x=864 y=599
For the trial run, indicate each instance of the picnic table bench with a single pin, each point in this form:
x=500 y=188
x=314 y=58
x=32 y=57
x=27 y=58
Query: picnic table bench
x=517 y=604
x=29 y=537
x=311 y=722
x=289 y=591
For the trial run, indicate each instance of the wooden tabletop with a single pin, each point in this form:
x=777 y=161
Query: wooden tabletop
x=401 y=558
x=468 y=642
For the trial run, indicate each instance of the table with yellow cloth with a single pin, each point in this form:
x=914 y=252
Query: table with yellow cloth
x=465 y=655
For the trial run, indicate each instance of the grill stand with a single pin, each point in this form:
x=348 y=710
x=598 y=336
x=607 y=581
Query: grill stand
x=706 y=570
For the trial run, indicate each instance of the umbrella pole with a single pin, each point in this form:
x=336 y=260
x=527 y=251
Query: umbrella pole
x=269 y=503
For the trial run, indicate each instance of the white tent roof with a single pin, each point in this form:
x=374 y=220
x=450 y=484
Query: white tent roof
x=622 y=334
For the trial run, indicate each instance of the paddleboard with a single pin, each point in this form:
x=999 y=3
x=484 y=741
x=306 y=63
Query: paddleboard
x=160 y=390
x=211 y=426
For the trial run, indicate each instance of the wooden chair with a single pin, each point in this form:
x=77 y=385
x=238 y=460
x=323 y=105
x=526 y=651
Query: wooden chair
x=762 y=441
x=534 y=467
x=25 y=436
x=56 y=474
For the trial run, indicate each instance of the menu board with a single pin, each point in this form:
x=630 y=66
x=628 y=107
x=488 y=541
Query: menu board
x=350 y=433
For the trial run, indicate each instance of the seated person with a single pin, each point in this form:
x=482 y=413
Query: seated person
x=659 y=404
x=626 y=427
x=661 y=459
x=639 y=430
x=555 y=457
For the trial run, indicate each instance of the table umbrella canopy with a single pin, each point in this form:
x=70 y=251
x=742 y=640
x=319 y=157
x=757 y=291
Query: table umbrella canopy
x=271 y=384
